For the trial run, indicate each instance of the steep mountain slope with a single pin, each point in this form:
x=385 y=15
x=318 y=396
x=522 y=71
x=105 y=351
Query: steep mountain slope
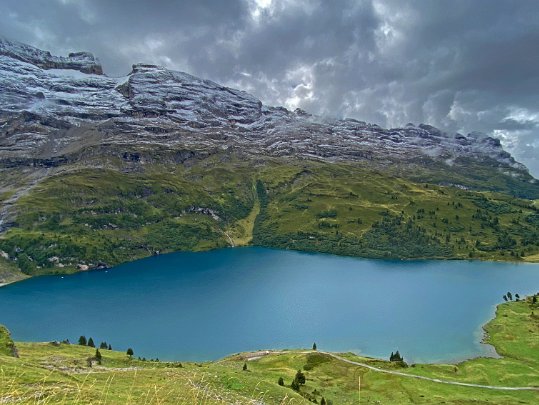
x=46 y=99
x=99 y=170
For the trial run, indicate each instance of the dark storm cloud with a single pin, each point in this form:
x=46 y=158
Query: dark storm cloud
x=123 y=32
x=460 y=65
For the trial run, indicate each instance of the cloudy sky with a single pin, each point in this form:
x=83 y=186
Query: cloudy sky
x=460 y=65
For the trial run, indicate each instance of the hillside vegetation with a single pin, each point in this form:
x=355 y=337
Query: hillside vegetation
x=81 y=218
x=60 y=373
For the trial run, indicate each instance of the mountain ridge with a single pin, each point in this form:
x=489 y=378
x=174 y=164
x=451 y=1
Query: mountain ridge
x=155 y=105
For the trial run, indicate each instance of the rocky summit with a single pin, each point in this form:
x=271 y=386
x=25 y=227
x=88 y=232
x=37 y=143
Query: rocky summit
x=52 y=106
x=100 y=170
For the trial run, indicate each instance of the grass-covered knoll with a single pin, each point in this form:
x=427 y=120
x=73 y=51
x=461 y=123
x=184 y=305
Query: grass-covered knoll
x=59 y=373
x=52 y=373
x=94 y=216
x=7 y=346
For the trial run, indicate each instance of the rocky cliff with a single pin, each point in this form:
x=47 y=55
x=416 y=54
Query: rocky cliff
x=48 y=104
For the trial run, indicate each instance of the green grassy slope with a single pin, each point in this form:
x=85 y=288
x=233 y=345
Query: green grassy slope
x=351 y=210
x=58 y=373
x=90 y=216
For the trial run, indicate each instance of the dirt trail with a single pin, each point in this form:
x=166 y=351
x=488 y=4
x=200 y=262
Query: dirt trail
x=436 y=380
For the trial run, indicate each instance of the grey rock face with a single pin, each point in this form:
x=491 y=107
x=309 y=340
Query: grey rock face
x=52 y=106
x=84 y=62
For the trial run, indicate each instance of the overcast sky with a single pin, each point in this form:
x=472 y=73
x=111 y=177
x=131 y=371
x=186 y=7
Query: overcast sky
x=459 y=65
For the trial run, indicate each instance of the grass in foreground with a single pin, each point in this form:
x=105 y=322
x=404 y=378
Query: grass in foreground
x=47 y=373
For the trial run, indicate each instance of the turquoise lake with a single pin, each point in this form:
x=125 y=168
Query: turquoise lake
x=203 y=306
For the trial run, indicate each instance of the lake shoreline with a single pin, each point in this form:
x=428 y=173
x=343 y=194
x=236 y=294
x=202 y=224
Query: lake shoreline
x=257 y=354
x=16 y=280
x=72 y=271
x=312 y=287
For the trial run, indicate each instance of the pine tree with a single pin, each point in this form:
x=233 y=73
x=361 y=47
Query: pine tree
x=505 y=298
x=314 y=346
x=103 y=345
x=294 y=385
x=398 y=356
x=98 y=356
x=395 y=356
x=110 y=347
x=91 y=342
x=323 y=401
x=300 y=378
x=245 y=366
x=130 y=352
x=82 y=341
x=281 y=381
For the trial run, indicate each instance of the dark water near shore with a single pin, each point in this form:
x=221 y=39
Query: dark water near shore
x=201 y=306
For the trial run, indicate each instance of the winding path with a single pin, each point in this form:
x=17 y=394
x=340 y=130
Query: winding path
x=230 y=240
x=436 y=380
x=262 y=353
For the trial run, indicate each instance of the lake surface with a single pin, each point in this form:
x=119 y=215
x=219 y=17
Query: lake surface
x=202 y=306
